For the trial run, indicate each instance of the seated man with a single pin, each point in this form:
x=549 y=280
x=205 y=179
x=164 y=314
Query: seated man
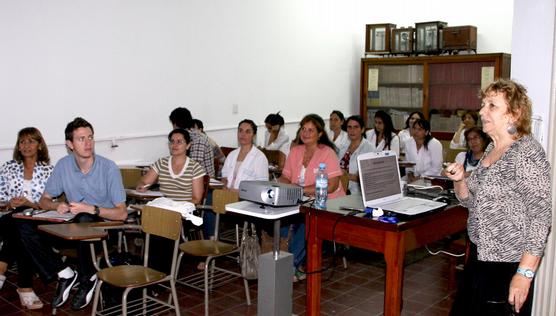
x=94 y=191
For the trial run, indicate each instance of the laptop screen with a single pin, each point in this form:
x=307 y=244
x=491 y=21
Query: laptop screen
x=379 y=176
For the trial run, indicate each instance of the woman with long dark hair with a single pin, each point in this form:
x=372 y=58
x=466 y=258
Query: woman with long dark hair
x=382 y=137
x=358 y=145
x=424 y=150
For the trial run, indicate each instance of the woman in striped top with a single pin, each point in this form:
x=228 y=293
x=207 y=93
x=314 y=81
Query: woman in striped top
x=509 y=202
x=180 y=178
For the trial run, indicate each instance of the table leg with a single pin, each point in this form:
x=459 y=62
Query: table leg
x=394 y=254
x=314 y=263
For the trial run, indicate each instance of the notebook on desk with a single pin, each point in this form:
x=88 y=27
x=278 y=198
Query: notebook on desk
x=379 y=175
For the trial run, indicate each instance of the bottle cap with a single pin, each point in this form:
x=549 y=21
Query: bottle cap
x=322 y=165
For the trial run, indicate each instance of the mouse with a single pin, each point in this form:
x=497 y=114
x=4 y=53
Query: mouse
x=28 y=212
x=443 y=199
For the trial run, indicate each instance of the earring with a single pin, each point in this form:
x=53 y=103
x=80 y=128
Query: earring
x=511 y=129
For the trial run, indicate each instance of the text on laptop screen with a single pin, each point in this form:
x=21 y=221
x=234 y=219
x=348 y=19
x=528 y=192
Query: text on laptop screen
x=379 y=177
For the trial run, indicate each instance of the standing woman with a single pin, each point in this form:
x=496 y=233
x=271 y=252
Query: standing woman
x=337 y=133
x=405 y=133
x=424 y=150
x=382 y=137
x=509 y=202
x=246 y=162
x=477 y=142
x=22 y=182
x=358 y=145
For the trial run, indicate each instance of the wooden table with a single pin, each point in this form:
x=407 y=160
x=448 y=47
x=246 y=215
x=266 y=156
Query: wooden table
x=393 y=240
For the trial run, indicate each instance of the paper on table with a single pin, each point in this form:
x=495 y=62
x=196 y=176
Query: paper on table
x=54 y=215
x=146 y=193
x=215 y=182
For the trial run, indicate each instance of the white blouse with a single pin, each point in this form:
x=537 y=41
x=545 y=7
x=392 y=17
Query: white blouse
x=278 y=142
x=394 y=143
x=404 y=135
x=253 y=167
x=364 y=147
x=428 y=162
x=342 y=141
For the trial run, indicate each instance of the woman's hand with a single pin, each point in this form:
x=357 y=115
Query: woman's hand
x=519 y=288
x=20 y=201
x=454 y=171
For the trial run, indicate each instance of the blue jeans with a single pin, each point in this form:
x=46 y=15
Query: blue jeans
x=296 y=245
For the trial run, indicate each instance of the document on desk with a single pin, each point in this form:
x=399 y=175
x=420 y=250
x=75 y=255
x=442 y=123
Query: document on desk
x=53 y=215
x=146 y=193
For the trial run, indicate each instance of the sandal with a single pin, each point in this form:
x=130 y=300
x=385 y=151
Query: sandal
x=30 y=300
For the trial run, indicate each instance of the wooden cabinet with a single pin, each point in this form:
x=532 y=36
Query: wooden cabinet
x=439 y=86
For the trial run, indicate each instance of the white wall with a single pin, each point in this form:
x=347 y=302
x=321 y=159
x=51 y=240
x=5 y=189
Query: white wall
x=124 y=65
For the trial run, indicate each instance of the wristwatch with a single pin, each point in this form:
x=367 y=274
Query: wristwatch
x=97 y=211
x=528 y=273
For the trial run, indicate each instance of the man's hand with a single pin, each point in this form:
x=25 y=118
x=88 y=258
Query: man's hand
x=79 y=207
x=62 y=208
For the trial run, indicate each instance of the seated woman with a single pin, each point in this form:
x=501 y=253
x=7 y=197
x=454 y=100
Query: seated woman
x=180 y=179
x=275 y=136
x=337 y=133
x=405 y=133
x=22 y=182
x=424 y=150
x=468 y=120
x=300 y=169
x=477 y=141
x=358 y=145
x=246 y=162
x=382 y=137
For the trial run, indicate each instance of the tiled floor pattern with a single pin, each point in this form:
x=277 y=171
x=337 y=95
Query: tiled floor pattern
x=356 y=291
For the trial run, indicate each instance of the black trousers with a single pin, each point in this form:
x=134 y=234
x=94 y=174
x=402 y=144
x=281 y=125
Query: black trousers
x=46 y=261
x=485 y=287
x=14 y=251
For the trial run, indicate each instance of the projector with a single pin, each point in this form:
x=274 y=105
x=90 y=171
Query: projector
x=270 y=193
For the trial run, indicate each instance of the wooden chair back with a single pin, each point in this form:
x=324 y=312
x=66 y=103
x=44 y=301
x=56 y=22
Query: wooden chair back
x=273 y=156
x=222 y=197
x=160 y=222
x=226 y=150
x=130 y=176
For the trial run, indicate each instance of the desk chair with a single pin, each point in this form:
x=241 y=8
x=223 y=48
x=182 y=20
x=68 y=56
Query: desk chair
x=158 y=222
x=212 y=276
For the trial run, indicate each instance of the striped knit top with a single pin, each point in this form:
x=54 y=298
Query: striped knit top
x=510 y=203
x=178 y=187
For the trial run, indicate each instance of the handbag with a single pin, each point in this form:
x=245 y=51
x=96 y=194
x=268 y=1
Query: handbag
x=249 y=252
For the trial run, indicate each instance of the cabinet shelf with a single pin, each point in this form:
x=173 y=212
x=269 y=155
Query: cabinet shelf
x=427 y=83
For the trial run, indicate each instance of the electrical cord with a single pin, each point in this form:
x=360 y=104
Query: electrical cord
x=334 y=255
x=434 y=253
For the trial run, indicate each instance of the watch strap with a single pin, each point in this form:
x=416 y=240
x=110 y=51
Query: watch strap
x=97 y=211
x=528 y=273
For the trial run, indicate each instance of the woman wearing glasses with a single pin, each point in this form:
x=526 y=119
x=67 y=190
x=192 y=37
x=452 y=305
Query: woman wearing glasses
x=22 y=182
x=180 y=177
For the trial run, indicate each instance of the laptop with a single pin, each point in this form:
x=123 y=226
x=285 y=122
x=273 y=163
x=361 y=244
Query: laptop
x=379 y=176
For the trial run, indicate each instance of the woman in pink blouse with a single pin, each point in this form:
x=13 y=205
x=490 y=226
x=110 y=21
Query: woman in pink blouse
x=303 y=161
x=301 y=168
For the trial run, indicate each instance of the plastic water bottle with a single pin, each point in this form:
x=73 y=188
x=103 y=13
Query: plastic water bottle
x=321 y=187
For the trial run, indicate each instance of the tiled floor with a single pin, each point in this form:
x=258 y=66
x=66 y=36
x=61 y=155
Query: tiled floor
x=356 y=291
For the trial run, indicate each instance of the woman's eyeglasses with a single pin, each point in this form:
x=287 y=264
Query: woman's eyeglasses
x=177 y=142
